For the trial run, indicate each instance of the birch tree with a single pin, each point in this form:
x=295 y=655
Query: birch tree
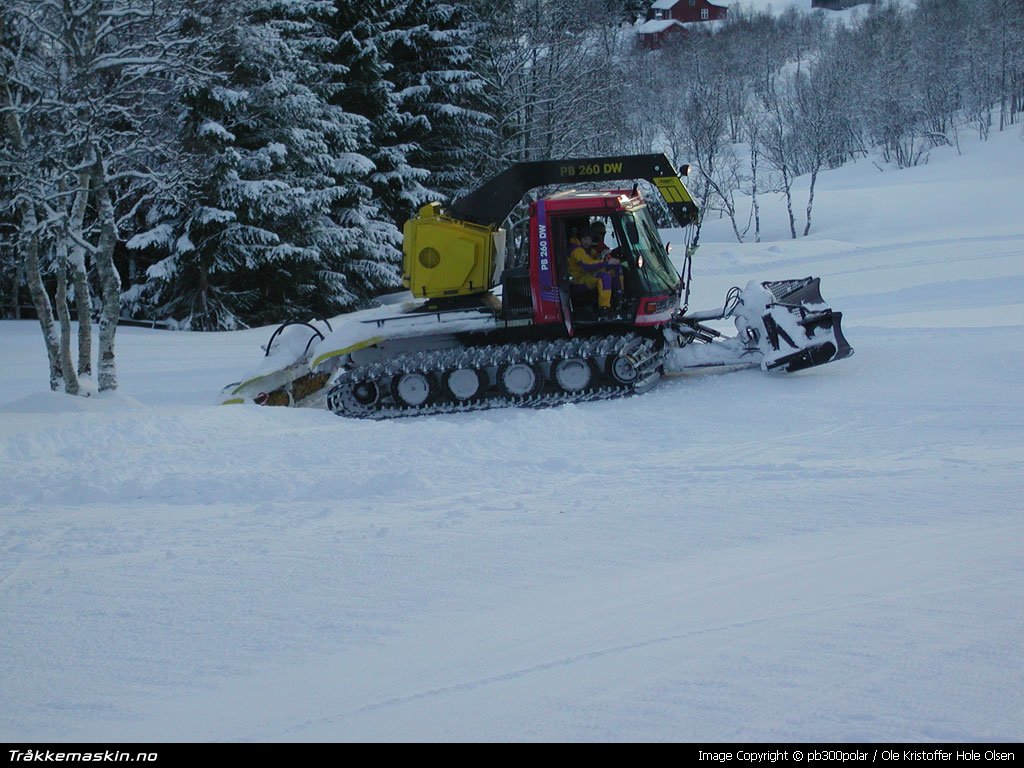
x=821 y=127
x=779 y=142
x=81 y=96
x=554 y=81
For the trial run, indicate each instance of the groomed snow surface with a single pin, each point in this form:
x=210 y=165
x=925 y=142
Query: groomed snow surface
x=836 y=555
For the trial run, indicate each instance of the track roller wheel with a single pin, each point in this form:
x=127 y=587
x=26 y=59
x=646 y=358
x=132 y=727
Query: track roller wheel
x=465 y=383
x=413 y=389
x=622 y=369
x=572 y=374
x=366 y=393
x=519 y=379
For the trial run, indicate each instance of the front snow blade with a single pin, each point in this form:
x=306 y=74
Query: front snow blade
x=800 y=329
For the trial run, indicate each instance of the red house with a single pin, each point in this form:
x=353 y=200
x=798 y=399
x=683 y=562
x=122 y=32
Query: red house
x=666 y=17
x=686 y=10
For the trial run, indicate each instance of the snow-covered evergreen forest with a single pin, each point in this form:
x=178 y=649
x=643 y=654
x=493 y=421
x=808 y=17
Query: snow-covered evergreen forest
x=221 y=164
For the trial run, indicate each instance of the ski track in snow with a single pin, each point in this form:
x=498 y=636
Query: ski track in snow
x=616 y=649
x=829 y=556
x=751 y=624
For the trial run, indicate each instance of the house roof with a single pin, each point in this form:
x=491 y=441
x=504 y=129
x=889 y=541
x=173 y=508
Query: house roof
x=654 y=26
x=712 y=25
x=664 y=5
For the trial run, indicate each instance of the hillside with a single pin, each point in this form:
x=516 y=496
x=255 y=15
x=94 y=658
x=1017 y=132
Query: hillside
x=833 y=555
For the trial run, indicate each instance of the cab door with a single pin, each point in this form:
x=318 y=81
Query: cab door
x=549 y=269
x=561 y=251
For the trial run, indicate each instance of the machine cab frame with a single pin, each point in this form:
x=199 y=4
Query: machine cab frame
x=652 y=286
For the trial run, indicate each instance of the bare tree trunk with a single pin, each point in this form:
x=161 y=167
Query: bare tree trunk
x=810 y=202
x=80 y=278
x=731 y=213
x=83 y=307
x=1003 y=56
x=64 y=314
x=29 y=247
x=36 y=288
x=787 y=184
x=16 y=288
x=110 y=280
x=753 y=190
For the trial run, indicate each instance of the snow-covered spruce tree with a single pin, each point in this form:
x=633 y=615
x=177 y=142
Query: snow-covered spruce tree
x=430 y=52
x=372 y=184
x=281 y=221
x=363 y=32
x=80 y=95
x=205 y=237
x=181 y=280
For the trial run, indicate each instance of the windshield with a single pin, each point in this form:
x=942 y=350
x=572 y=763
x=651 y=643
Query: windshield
x=642 y=242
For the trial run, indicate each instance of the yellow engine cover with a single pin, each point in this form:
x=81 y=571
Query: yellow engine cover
x=446 y=257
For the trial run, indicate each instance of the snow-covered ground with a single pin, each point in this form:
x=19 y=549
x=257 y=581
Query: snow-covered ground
x=834 y=555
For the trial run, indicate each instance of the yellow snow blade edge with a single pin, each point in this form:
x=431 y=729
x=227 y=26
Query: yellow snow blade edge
x=327 y=356
x=345 y=350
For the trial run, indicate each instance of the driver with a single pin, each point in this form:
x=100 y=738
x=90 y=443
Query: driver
x=591 y=264
x=597 y=232
x=610 y=257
